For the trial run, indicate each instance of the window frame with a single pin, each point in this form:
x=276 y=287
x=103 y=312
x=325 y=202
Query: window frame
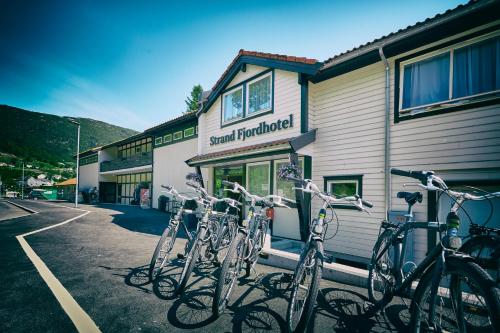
x=189 y=135
x=450 y=104
x=247 y=99
x=244 y=85
x=327 y=180
x=229 y=92
x=174 y=136
x=158 y=140
x=167 y=138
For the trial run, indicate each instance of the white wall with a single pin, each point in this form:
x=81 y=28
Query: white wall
x=169 y=167
x=286 y=102
x=88 y=176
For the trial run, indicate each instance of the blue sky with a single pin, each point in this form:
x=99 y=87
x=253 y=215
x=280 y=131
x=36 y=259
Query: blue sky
x=133 y=64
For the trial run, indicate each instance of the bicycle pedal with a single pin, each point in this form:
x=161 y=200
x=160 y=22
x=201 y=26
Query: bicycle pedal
x=264 y=255
x=180 y=256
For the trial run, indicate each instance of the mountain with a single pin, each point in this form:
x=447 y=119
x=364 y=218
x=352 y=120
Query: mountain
x=49 y=138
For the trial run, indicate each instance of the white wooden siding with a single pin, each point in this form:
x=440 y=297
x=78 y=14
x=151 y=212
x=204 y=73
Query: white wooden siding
x=349 y=115
x=88 y=176
x=286 y=102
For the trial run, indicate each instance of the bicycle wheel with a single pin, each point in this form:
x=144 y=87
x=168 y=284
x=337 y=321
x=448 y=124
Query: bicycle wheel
x=162 y=251
x=191 y=259
x=380 y=275
x=305 y=289
x=229 y=272
x=467 y=300
x=486 y=251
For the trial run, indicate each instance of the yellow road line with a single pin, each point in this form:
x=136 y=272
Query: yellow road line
x=78 y=316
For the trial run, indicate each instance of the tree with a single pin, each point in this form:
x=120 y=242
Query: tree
x=192 y=100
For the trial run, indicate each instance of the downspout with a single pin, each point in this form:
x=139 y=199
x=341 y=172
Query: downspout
x=387 y=133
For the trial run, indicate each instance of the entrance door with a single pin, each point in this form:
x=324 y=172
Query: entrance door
x=107 y=192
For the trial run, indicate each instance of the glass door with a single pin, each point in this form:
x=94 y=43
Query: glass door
x=230 y=174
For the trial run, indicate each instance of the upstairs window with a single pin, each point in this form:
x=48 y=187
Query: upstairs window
x=464 y=73
x=233 y=105
x=259 y=95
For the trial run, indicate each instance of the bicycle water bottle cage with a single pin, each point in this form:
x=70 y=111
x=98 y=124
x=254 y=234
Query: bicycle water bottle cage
x=411 y=198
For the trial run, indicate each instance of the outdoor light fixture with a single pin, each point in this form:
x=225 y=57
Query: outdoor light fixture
x=77 y=157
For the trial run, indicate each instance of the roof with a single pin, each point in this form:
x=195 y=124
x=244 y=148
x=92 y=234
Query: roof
x=71 y=181
x=177 y=120
x=452 y=21
x=282 y=143
x=285 y=62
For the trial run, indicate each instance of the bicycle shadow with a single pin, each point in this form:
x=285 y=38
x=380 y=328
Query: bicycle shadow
x=165 y=285
x=348 y=309
x=258 y=315
x=136 y=277
x=193 y=308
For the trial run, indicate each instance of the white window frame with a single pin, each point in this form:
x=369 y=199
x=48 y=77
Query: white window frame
x=446 y=103
x=158 y=140
x=229 y=92
x=268 y=163
x=343 y=181
x=187 y=129
x=262 y=77
x=179 y=138
x=167 y=138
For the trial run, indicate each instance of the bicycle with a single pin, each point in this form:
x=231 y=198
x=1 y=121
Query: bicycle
x=246 y=246
x=167 y=240
x=307 y=275
x=214 y=230
x=447 y=277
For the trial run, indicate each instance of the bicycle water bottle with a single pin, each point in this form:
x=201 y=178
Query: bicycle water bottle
x=452 y=224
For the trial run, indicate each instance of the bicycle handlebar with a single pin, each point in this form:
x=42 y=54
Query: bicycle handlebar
x=422 y=176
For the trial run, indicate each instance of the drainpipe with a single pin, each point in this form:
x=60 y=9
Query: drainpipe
x=387 y=142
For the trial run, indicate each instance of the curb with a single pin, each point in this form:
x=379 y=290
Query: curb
x=331 y=271
x=29 y=210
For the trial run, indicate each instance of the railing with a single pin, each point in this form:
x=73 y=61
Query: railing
x=127 y=162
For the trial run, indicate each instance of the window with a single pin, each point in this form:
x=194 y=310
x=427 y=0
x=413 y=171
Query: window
x=464 y=73
x=167 y=138
x=258 y=178
x=343 y=186
x=233 y=104
x=178 y=135
x=189 y=132
x=259 y=95
x=282 y=187
x=158 y=140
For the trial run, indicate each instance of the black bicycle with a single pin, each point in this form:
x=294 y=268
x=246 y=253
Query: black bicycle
x=214 y=233
x=246 y=246
x=161 y=254
x=454 y=293
x=307 y=276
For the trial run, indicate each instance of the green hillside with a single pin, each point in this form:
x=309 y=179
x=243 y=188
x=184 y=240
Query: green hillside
x=49 y=138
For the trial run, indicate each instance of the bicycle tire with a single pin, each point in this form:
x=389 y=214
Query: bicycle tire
x=191 y=260
x=374 y=265
x=221 y=298
x=310 y=302
x=491 y=261
x=169 y=235
x=456 y=268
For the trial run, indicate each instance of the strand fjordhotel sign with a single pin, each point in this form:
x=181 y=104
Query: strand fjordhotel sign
x=245 y=133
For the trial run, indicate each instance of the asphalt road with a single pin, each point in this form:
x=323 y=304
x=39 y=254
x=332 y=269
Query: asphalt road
x=102 y=259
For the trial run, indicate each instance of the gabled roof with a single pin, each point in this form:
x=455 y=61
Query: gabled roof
x=279 y=61
x=71 y=181
x=452 y=21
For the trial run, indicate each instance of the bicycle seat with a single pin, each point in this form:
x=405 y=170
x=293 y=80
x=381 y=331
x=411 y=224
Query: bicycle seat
x=411 y=198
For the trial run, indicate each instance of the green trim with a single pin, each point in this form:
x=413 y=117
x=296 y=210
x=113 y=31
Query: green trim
x=304 y=105
x=244 y=83
x=398 y=117
x=230 y=159
x=358 y=178
x=170 y=134
x=310 y=69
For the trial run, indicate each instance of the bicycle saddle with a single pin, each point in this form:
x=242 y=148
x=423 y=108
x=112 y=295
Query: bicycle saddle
x=410 y=198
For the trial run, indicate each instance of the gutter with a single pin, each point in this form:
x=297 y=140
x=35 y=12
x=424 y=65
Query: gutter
x=387 y=133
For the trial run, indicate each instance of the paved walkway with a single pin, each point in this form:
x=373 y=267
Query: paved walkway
x=101 y=259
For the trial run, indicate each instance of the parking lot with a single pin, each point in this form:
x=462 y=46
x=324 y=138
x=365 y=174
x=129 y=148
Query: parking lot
x=101 y=260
